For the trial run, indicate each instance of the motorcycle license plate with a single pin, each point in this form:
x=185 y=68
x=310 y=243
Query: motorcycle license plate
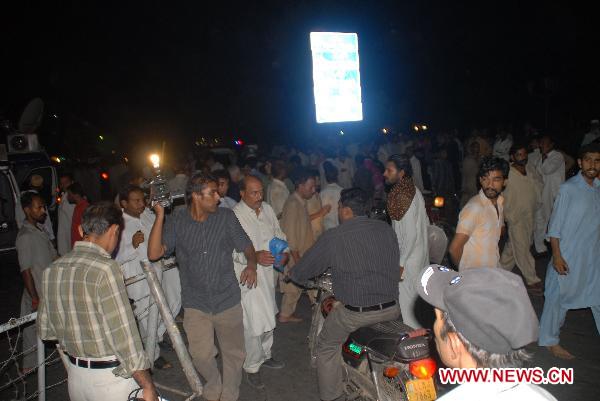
x=420 y=390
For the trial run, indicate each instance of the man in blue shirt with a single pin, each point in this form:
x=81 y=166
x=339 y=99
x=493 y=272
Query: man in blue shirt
x=573 y=277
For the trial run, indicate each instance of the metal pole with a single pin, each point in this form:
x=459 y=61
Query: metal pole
x=182 y=352
x=15 y=322
x=153 y=319
x=41 y=358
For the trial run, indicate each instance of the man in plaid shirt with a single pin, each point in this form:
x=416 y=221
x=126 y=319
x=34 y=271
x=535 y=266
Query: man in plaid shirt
x=85 y=308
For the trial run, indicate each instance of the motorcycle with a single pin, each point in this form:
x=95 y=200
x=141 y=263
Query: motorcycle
x=388 y=361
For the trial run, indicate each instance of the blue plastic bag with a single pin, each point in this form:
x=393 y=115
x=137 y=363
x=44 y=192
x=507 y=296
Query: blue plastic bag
x=276 y=247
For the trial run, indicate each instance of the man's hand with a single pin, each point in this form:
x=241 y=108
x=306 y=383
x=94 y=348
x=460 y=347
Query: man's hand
x=248 y=276
x=401 y=273
x=265 y=258
x=149 y=395
x=137 y=239
x=560 y=265
x=158 y=210
x=284 y=259
x=35 y=302
x=325 y=209
x=143 y=379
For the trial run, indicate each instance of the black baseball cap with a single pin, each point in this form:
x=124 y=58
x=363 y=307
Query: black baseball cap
x=488 y=306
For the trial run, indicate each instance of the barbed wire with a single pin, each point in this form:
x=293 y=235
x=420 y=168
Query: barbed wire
x=50 y=360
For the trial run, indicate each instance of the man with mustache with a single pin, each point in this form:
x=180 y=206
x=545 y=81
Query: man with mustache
x=573 y=276
x=522 y=197
x=481 y=221
x=36 y=253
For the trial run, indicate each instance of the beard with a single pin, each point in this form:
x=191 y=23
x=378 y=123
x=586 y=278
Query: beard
x=591 y=173
x=491 y=193
x=520 y=162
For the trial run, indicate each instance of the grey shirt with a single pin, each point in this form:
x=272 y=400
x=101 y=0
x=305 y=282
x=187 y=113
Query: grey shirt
x=363 y=255
x=35 y=252
x=204 y=254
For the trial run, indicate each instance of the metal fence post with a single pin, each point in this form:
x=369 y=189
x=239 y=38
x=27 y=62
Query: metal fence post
x=182 y=352
x=41 y=358
x=153 y=320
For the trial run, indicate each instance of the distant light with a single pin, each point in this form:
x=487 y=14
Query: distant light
x=238 y=142
x=416 y=128
x=55 y=159
x=126 y=159
x=438 y=201
x=341 y=133
x=100 y=137
x=155 y=160
x=385 y=131
x=54 y=115
x=113 y=152
x=423 y=127
x=197 y=143
x=104 y=176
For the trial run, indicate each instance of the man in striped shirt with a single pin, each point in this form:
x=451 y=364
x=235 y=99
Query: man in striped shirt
x=204 y=237
x=363 y=256
x=85 y=307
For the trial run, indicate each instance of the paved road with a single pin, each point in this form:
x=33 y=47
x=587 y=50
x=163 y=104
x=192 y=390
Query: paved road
x=297 y=382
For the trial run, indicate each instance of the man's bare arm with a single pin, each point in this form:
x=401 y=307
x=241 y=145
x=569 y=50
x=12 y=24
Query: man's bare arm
x=143 y=379
x=30 y=287
x=156 y=248
x=457 y=246
x=248 y=276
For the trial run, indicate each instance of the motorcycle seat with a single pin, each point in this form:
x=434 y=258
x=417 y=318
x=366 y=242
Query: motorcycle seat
x=392 y=340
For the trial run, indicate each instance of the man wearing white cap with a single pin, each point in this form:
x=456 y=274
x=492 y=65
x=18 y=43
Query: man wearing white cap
x=484 y=319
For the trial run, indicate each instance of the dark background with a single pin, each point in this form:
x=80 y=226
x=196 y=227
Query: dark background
x=142 y=72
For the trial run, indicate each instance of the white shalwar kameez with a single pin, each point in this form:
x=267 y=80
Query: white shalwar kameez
x=552 y=171
x=412 y=235
x=129 y=258
x=258 y=304
x=65 y=217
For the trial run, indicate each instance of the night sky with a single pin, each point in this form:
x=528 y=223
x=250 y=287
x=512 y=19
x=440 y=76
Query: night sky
x=157 y=70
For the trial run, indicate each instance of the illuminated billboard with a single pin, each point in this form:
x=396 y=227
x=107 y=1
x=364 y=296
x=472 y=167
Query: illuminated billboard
x=336 y=76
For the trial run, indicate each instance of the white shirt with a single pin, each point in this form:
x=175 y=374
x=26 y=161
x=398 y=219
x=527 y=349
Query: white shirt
x=277 y=194
x=216 y=166
x=258 y=303
x=413 y=237
x=178 y=183
x=497 y=392
x=322 y=170
x=415 y=163
x=345 y=172
x=227 y=202
x=129 y=257
x=330 y=195
x=63 y=233
x=590 y=137
x=502 y=147
x=552 y=171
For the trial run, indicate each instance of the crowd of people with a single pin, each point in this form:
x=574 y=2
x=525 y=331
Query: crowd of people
x=511 y=190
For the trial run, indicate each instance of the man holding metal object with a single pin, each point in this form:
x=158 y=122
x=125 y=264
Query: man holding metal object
x=204 y=237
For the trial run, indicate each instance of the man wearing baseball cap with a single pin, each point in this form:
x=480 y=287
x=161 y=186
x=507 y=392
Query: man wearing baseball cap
x=484 y=319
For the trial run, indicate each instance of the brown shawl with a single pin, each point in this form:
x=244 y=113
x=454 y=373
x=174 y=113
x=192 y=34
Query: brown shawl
x=400 y=198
